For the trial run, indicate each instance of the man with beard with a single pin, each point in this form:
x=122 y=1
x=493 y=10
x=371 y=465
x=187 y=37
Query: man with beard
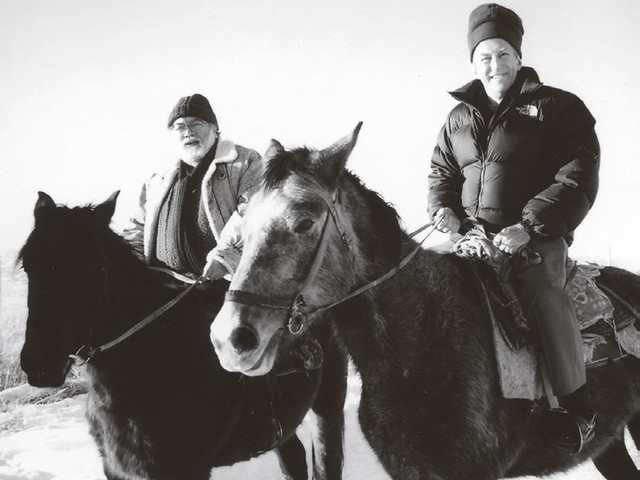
x=187 y=215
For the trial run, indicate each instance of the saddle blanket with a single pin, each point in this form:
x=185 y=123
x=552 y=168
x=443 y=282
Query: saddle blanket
x=520 y=370
x=519 y=366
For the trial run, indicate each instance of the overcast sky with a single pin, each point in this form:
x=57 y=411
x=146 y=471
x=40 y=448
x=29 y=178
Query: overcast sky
x=87 y=87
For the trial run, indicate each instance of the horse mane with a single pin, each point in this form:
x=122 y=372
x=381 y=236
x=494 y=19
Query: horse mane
x=384 y=218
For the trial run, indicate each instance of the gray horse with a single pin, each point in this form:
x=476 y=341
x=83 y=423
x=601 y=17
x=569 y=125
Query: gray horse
x=431 y=407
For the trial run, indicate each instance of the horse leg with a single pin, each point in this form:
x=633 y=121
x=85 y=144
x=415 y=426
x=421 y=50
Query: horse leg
x=615 y=463
x=328 y=406
x=292 y=457
x=634 y=430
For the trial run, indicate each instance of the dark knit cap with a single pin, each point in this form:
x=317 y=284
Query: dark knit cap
x=194 y=106
x=491 y=20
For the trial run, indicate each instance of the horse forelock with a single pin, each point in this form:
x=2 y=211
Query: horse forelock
x=298 y=162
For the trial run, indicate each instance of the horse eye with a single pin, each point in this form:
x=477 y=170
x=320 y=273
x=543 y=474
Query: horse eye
x=304 y=225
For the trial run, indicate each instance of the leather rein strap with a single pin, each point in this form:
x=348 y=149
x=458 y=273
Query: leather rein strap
x=297 y=308
x=86 y=353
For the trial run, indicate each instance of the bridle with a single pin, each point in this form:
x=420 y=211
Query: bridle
x=297 y=308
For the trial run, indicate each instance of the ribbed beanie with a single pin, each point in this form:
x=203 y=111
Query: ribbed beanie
x=195 y=105
x=491 y=20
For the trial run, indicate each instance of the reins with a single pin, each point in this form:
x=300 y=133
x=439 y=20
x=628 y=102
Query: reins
x=298 y=315
x=86 y=353
x=385 y=276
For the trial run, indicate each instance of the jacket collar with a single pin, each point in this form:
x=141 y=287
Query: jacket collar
x=473 y=91
x=226 y=152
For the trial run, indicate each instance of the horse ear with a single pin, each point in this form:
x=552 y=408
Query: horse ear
x=106 y=209
x=334 y=158
x=275 y=147
x=43 y=203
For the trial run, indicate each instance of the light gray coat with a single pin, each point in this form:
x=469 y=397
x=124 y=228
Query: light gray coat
x=232 y=177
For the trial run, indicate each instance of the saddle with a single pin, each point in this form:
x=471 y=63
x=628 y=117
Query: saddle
x=604 y=304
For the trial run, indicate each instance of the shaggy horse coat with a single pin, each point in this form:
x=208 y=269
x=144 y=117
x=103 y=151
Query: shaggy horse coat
x=431 y=407
x=159 y=404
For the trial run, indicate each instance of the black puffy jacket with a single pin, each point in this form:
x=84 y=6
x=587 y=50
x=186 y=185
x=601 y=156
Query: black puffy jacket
x=537 y=160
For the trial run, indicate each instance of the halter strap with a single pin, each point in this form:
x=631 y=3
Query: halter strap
x=254 y=300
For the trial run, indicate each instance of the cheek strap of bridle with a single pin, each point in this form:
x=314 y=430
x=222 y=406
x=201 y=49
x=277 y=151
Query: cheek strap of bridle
x=298 y=315
x=296 y=306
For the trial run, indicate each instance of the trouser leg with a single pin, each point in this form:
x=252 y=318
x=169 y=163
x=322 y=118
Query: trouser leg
x=549 y=306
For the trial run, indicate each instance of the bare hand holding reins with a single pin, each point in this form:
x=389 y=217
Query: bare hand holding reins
x=445 y=220
x=512 y=238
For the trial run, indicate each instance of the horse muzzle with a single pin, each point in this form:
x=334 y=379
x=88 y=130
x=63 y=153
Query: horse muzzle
x=47 y=377
x=246 y=341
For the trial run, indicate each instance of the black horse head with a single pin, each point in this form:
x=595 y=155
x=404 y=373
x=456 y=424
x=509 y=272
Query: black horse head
x=62 y=258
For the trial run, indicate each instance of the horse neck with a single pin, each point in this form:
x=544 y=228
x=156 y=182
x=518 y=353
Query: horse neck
x=155 y=354
x=128 y=294
x=367 y=229
x=361 y=321
x=382 y=324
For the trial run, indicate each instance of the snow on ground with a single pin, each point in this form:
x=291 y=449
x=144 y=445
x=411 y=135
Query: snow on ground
x=51 y=442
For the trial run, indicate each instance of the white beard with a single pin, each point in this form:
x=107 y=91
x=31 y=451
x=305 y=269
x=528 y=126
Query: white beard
x=192 y=154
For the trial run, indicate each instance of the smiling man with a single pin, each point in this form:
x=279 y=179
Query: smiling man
x=187 y=215
x=521 y=159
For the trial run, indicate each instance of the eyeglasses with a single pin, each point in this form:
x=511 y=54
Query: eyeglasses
x=192 y=126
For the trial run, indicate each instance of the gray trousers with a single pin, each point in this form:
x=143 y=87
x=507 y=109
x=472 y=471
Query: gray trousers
x=548 y=305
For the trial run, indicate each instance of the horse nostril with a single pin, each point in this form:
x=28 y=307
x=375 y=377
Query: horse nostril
x=243 y=339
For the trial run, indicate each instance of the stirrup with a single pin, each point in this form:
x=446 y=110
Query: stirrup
x=565 y=431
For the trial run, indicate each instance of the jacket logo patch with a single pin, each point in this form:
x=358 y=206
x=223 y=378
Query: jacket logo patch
x=528 y=110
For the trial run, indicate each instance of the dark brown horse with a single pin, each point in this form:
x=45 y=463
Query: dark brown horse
x=159 y=404
x=431 y=406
